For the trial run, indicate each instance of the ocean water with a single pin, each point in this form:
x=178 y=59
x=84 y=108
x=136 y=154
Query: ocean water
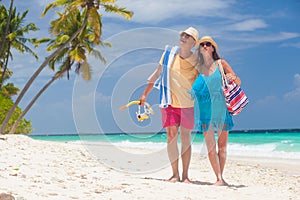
x=264 y=145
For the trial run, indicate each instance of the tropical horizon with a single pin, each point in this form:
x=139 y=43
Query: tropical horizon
x=256 y=44
x=288 y=130
x=69 y=70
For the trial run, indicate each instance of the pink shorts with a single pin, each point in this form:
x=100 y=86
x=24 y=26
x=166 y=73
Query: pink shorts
x=178 y=117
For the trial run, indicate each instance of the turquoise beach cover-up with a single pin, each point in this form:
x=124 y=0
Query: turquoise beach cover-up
x=210 y=107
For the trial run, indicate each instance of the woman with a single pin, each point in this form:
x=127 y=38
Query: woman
x=211 y=114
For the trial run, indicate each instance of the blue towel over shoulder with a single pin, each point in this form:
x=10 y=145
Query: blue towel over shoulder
x=163 y=82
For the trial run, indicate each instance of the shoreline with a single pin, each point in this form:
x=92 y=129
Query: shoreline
x=288 y=166
x=244 y=131
x=35 y=169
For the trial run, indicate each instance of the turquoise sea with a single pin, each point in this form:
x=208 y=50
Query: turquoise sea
x=253 y=144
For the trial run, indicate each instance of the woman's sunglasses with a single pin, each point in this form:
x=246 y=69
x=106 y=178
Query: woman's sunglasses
x=208 y=44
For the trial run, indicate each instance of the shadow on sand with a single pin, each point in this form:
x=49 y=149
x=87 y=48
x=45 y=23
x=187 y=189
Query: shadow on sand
x=199 y=183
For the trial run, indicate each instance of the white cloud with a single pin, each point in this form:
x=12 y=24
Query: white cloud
x=265 y=101
x=248 y=25
x=266 y=37
x=297 y=80
x=152 y=12
x=296 y=45
x=294 y=94
x=102 y=99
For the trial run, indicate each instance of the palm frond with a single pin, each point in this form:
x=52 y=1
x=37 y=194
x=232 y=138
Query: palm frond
x=21 y=46
x=97 y=54
x=37 y=42
x=62 y=39
x=55 y=4
x=85 y=70
x=106 y=1
x=28 y=50
x=78 y=3
x=59 y=58
x=77 y=54
x=118 y=10
x=96 y=24
x=53 y=46
x=30 y=27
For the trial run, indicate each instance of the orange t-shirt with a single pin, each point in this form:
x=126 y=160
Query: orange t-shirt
x=183 y=73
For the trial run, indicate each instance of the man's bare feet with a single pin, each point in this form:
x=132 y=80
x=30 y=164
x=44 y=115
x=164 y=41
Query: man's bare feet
x=173 y=179
x=220 y=183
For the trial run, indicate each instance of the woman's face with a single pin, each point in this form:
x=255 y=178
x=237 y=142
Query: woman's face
x=206 y=48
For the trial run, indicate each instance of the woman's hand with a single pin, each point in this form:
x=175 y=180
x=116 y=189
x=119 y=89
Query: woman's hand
x=233 y=77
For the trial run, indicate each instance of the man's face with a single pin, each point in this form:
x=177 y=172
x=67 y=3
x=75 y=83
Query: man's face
x=186 y=40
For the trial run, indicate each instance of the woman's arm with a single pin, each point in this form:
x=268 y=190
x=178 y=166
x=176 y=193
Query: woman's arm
x=229 y=73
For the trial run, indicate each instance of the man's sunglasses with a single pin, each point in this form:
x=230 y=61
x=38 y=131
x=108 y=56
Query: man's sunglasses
x=186 y=36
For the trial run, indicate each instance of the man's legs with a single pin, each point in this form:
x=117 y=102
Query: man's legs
x=186 y=151
x=172 y=132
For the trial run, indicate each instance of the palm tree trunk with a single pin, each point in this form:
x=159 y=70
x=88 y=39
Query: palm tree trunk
x=5 y=67
x=3 y=39
x=35 y=75
x=54 y=78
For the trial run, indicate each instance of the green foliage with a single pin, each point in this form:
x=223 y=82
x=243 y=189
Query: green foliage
x=77 y=15
x=9 y=90
x=14 y=38
x=24 y=126
x=64 y=27
x=17 y=30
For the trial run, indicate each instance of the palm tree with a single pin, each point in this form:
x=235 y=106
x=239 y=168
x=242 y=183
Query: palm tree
x=3 y=38
x=75 y=53
x=13 y=37
x=92 y=19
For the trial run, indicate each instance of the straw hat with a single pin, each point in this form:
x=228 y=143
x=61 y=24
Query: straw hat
x=192 y=32
x=208 y=39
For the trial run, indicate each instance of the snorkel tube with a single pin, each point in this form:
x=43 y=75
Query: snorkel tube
x=140 y=116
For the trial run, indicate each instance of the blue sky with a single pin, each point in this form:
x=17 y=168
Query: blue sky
x=260 y=40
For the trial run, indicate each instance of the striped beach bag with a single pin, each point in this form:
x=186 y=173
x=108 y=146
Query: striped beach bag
x=235 y=97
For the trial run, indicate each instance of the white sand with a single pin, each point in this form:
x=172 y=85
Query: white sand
x=32 y=169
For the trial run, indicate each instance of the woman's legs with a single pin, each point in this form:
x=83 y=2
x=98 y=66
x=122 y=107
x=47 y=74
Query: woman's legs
x=217 y=160
x=222 y=148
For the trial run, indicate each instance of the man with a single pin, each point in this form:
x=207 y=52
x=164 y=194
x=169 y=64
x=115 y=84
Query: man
x=174 y=76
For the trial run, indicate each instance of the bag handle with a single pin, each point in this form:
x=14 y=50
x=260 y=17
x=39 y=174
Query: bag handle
x=224 y=82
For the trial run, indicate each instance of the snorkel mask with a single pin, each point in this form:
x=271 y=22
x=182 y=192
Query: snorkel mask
x=143 y=112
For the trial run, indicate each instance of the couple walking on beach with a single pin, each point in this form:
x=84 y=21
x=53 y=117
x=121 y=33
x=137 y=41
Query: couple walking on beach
x=191 y=98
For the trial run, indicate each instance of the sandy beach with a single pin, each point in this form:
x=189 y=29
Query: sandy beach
x=32 y=169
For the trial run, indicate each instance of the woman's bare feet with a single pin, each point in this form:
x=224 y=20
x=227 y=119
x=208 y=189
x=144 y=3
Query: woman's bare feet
x=186 y=180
